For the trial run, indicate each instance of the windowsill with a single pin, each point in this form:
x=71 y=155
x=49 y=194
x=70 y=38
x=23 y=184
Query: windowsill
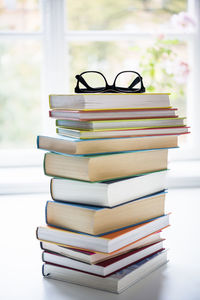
x=22 y=180
x=184 y=174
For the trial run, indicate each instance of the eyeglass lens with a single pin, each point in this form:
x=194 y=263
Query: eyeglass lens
x=128 y=80
x=93 y=79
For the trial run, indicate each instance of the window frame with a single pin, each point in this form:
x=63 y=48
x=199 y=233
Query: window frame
x=55 y=38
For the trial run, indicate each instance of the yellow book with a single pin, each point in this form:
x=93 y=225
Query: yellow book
x=109 y=101
x=121 y=124
x=117 y=132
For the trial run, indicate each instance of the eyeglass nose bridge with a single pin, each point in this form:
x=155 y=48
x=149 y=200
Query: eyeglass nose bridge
x=109 y=86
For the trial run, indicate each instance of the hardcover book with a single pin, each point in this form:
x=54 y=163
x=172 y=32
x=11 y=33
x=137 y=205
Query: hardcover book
x=106 y=243
x=88 y=218
x=107 y=267
x=108 y=193
x=105 y=166
x=92 y=257
x=67 y=145
x=115 y=283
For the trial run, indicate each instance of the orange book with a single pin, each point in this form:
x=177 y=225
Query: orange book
x=93 y=257
x=105 y=243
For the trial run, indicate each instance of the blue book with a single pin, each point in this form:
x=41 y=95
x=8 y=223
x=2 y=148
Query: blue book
x=69 y=145
x=97 y=220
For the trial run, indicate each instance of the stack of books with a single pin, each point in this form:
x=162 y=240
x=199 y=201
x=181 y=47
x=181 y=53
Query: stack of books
x=109 y=164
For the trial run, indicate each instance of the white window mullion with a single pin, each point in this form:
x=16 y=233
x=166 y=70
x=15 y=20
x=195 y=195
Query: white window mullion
x=192 y=150
x=54 y=50
x=194 y=109
x=112 y=35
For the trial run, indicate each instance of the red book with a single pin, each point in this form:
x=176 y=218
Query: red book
x=111 y=114
x=107 y=267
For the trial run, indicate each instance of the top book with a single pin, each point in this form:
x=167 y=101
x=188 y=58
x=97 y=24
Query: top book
x=109 y=101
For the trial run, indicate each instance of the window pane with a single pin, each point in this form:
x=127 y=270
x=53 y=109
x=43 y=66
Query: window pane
x=20 y=97
x=134 y=15
x=20 y=15
x=163 y=64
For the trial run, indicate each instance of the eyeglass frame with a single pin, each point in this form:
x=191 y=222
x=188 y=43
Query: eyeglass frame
x=107 y=88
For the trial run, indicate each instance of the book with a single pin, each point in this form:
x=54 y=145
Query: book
x=120 y=124
x=92 y=257
x=117 y=282
x=109 y=101
x=106 y=166
x=69 y=145
x=86 y=134
x=107 y=267
x=105 y=243
x=85 y=115
x=88 y=218
x=108 y=193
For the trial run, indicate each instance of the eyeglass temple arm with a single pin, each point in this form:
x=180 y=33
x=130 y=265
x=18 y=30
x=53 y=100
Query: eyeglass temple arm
x=82 y=80
x=135 y=81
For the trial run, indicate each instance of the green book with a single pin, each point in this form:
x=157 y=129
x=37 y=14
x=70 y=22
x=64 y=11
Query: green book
x=105 y=166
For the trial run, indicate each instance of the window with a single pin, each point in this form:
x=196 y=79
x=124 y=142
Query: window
x=44 y=44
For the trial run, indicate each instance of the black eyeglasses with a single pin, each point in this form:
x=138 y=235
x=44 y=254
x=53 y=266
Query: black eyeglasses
x=95 y=82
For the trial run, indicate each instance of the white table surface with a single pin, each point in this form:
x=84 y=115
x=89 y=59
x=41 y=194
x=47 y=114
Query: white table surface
x=20 y=260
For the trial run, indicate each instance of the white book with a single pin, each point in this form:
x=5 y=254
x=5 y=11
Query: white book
x=115 y=283
x=109 y=101
x=105 y=243
x=108 y=193
x=92 y=257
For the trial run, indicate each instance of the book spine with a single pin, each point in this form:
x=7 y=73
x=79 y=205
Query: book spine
x=41 y=246
x=37 y=229
x=50 y=102
x=51 y=188
x=44 y=165
x=46 y=207
x=43 y=256
x=38 y=142
x=43 y=270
